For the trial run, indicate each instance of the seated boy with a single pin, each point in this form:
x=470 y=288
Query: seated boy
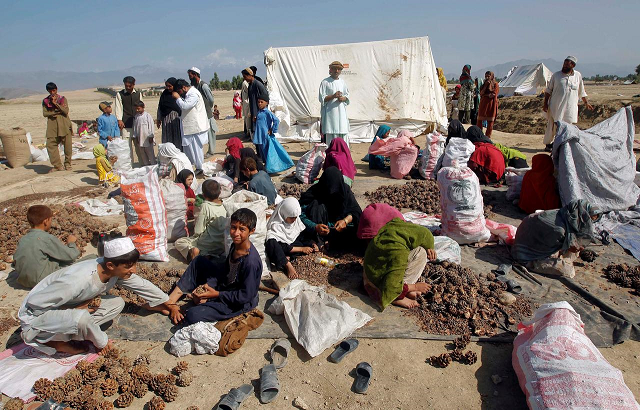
x=39 y=253
x=259 y=181
x=230 y=287
x=57 y=313
x=208 y=237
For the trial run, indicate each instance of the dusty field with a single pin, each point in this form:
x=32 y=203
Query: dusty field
x=401 y=377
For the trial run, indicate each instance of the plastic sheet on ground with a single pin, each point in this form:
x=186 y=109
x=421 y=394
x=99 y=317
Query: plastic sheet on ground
x=431 y=222
x=624 y=227
x=97 y=207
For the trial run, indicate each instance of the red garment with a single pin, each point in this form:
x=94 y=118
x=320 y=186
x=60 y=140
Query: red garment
x=188 y=193
x=487 y=162
x=339 y=156
x=539 y=186
x=234 y=145
x=238 y=112
x=488 y=108
x=374 y=217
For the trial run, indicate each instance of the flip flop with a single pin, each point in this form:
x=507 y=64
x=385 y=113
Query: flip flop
x=502 y=269
x=344 y=348
x=269 y=384
x=512 y=285
x=363 y=377
x=279 y=353
x=235 y=397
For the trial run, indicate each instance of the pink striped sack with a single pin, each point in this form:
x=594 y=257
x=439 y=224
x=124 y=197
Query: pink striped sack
x=310 y=164
x=432 y=155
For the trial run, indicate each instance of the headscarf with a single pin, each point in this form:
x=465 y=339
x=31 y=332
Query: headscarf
x=338 y=155
x=539 y=188
x=374 y=217
x=487 y=162
x=182 y=176
x=578 y=225
x=235 y=145
x=455 y=130
x=490 y=83
x=278 y=228
x=99 y=152
x=405 y=133
x=465 y=77
x=167 y=103
x=237 y=101
x=382 y=130
x=475 y=134
x=332 y=192
x=174 y=156
x=441 y=78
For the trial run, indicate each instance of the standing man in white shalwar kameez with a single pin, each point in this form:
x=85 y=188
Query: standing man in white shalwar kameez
x=195 y=124
x=58 y=312
x=334 y=98
x=561 y=99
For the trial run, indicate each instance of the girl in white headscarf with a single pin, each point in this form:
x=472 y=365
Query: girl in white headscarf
x=286 y=236
x=171 y=161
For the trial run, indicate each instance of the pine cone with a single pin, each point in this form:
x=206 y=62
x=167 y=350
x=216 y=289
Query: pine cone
x=105 y=405
x=462 y=341
x=73 y=379
x=57 y=395
x=124 y=400
x=99 y=362
x=457 y=355
x=171 y=379
x=168 y=392
x=199 y=290
x=95 y=302
x=126 y=363
x=60 y=383
x=185 y=378
x=441 y=361
x=14 y=404
x=83 y=365
x=125 y=381
x=156 y=403
x=76 y=399
x=141 y=372
x=90 y=375
x=180 y=367
x=193 y=408
x=114 y=370
x=157 y=381
x=142 y=359
x=139 y=388
x=42 y=389
x=113 y=353
x=109 y=387
x=470 y=357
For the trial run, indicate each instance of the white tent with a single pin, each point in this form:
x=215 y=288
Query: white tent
x=390 y=82
x=526 y=80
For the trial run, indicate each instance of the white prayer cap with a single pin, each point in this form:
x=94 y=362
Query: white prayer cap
x=118 y=247
x=573 y=59
x=195 y=70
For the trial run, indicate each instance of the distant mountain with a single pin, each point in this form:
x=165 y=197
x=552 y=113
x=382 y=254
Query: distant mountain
x=587 y=69
x=9 y=93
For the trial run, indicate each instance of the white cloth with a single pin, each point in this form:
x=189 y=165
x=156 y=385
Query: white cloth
x=192 y=145
x=565 y=90
x=47 y=312
x=194 y=115
x=334 y=113
x=173 y=155
x=143 y=129
x=118 y=247
x=278 y=228
x=199 y=338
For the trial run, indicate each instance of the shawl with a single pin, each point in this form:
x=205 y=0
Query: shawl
x=338 y=155
x=47 y=102
x=475 y=134
x=487 y=162
x=455 y=130
x=539 y=187
x=235 y=145
x=332 y=192
x=374 y=217
x=491 y=82
x=99 y=152
x=465 y=77
x=441 y=78
x=387 y=257
x=509 y=153
x=278 y=228
x=382 y=130
x=177 y=159
x=167 y=103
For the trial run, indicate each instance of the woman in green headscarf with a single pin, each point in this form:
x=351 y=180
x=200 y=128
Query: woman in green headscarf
x=378 y=161
x=465 y=102
x=104 y=166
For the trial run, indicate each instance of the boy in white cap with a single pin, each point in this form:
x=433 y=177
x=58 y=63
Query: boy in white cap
x=57 y=313
x=561 y=98
x=334 y=98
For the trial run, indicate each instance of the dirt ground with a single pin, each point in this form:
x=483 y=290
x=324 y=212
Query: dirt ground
x=401 y=377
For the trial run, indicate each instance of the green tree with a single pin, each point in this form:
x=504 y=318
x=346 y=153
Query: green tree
x=236 y=82
x=215 y=82
x=638 y=69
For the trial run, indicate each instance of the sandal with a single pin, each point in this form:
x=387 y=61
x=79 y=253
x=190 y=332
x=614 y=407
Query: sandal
x=269 y=384
x=235 y=397
x=363 y=377
x=344 y=348
x=512 y=285
x=279 y=353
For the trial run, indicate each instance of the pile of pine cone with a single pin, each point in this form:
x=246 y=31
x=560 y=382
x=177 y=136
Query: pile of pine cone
x=624 y=275
x=459 y=343
x=165 y=279
x=417 y=195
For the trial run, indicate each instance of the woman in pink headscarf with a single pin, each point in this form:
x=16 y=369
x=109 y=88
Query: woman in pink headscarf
x=402 y=150
x=374 y=217
x=237 y=105
x=339 y=156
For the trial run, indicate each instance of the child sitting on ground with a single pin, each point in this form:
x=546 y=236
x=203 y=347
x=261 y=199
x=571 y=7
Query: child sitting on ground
x=216 y=113
x=208 y=238
x=143 y=134
x=107 y=124
x=230 y=287
x=266 y=124
x=185 y=177
x=62 y=310
x=287 y=235
x=39 y=253
x=259 y=181
x=104 y=166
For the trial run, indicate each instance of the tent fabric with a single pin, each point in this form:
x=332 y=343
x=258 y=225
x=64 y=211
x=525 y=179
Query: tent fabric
x=526 y=80
x=378 y=75
x=598 y=164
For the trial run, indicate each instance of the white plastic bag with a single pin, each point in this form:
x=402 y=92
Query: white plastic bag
x=447 y=250
x=198 y=338
x=513 y=178
x=559 y=367
x=211 y=168
x=310 y=164
x=145 y=213
x=458 y=149
x=462 y=205
x=316 y=319
x=431 y=222
x=226 y=186
x=258 y=204
x=432 y=155
x=119 y=147
x=175 y=204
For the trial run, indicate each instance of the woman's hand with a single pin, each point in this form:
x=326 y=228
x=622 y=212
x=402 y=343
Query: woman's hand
x=322 y=229
x=341 y=225
x=431 y=254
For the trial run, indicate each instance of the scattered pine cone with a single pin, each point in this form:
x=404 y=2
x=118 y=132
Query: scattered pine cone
x=126 y=363
x=142 y=359
x=168 y=392
x=83 y=365
x=90 y=375
x=124 y=400
x=441 y=361
x=470 y=357
x=457 y=355
x=95 y=302
x=139 y=388
x=588 y=255
x=125 y=381
x=141 y=372
x=185 y=378
x=171 y=379
x=90 y=403
x=99 y=362
x=60 y=383
x=193 y=408
x=113 y=353
x=157 y=381
x=42 y=389
x=156 y=403
x=109 y=387
x=462 y=341
x=180 y=367
x=14 y=404
x=105 y=405
x=73 y=379
x=76 y=399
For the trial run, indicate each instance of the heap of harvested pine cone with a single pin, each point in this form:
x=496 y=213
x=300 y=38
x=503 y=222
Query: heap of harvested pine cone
x=165 y=279
x=623 y=275
x=459 y=343
x=348 y=268
x=418 y=195
x=112 y=379
x=459 y=302
x=68 y=219
x=294 y=190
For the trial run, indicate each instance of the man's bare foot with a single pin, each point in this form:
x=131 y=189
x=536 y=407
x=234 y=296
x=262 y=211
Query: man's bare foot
x=193 y=253
x=406 y=303
x=54 y=169
x=413 y=295
x=291 y=271
x=67 y=347
x=160 y=308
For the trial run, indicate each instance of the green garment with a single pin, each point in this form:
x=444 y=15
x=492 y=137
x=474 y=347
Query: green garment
x=509 y=153
x=387 y=256
x=210 y=227
x=39 y=254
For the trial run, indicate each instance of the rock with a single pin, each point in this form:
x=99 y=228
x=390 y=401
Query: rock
x=496 y=379
x=506 y=298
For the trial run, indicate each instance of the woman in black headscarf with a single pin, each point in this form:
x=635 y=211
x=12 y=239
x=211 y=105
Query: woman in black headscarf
x=331 y=209
x=455 y=130
x=169 y=115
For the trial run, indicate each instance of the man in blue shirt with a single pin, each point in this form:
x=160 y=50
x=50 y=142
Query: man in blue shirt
x=107 y=124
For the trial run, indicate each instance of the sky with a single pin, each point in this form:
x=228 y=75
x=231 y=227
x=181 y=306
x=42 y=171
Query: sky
x=92 y=35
